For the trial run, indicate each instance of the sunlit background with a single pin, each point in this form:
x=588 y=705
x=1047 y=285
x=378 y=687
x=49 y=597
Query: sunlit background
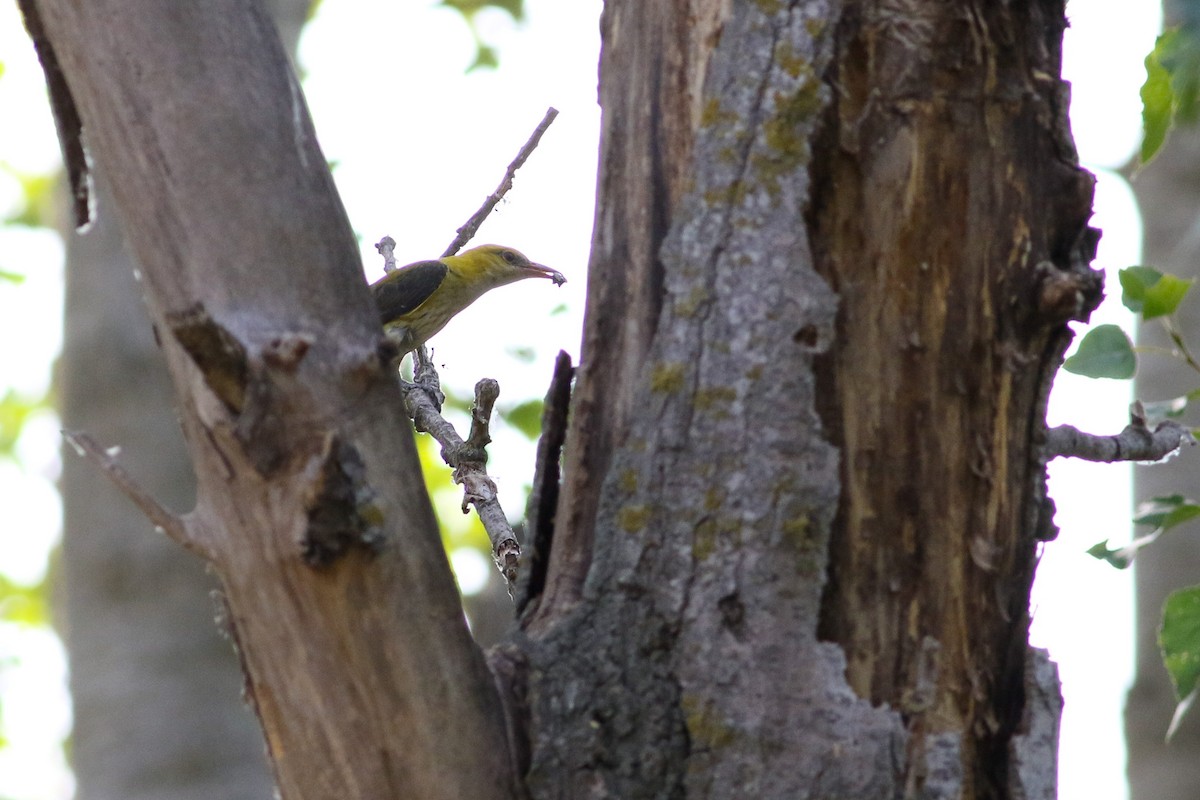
x=418 y=143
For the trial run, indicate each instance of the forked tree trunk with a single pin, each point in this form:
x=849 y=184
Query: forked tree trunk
x=820 y=228
x=947 y=211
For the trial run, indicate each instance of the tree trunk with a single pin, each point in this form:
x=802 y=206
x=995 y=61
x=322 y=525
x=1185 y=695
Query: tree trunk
x=143 y=649
x=731 y=609
x=309 y=502
x=948 y=211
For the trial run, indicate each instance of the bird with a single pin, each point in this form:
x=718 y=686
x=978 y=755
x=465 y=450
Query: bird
x=417 y=300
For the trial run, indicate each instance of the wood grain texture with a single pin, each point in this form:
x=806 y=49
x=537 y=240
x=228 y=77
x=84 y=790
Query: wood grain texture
x=362 y=670
x=948 y=198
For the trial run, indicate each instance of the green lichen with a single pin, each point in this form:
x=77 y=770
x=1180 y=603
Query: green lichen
x=707 y=728
x=797 y=531
x=714 y=498
x=633 y=518
x=769 y=6
x=704 y=539
x=715 y=398
x=792 y=61
x=786 y=134
x=713 y=114
x=628 y=481
x=687 y=307
x=666 y=378
x=796 y=528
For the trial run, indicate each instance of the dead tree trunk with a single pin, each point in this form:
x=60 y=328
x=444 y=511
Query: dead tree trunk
x=142 y=647
x=835 y=251
x=917 y=162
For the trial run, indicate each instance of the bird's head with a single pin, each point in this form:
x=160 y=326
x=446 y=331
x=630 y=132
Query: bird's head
x=495 y=265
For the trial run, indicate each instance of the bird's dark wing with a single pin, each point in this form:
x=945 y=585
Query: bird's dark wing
x=403 y=290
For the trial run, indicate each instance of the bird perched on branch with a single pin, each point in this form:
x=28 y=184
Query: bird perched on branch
x=416 y=301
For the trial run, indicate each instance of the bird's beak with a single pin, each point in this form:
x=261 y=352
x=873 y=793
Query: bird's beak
x=541 y=271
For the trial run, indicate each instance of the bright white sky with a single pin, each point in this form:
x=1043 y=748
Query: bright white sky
x=418 y=146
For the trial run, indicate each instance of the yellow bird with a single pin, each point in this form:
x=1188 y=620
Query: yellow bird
x=416 y=301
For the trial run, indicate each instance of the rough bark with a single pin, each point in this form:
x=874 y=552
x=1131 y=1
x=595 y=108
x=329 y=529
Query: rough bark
x=309 y=500
x=700 y=545
x=949 y=213
x=1168 y=191
x=652 y=67
x=692 y=666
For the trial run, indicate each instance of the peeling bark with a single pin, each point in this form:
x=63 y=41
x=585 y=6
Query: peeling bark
x=949 y=213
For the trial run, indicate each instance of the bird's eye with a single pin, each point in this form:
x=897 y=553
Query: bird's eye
x=509 y=256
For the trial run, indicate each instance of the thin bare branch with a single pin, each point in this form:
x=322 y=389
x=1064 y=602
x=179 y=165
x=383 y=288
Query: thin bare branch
x=1136 y=443
x=387 y=248
x=471 y=226
x=469 y=461
x=171 y=524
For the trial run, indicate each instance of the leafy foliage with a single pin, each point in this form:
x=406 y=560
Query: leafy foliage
x=25 y=605
x=1161 y=514
x=485 y=55
x=39 y=208
x=525 y=417
x=1179 y=640
x=1106 y=352
x=1171 y=93
x=14 y=410
x=1146 y=291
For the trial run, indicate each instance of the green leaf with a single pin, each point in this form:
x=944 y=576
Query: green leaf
x=11 y=277
x=1105 y=352
x=1157 y=102
x=523 y=354
x=23 y=604
x=39 y=204
x=526 y=417
x=1179 y=639
x=1180 y=56
x=1119 y=558
x=1164 y=296
x=1146 y=291
x=14 y=410
x=1171 y=93
x=486 y=57
x=1166 y=512
x=1160 y=410
x=1134 y=282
